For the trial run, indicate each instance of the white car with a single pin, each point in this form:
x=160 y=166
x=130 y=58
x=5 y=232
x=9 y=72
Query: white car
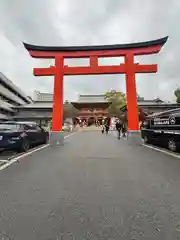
x=67 y=127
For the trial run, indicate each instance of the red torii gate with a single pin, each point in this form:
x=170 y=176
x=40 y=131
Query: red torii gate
x=129 y=68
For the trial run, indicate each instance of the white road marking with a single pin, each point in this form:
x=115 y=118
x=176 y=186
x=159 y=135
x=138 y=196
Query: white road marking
x=4 y=160
x=15 y=159
x=69 y=135
x=162 y=150
x=176 y=155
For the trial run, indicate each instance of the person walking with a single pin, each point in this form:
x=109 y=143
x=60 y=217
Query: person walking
x=103 y=128
x=107 y=128
x=124 y=130
x=118 y=128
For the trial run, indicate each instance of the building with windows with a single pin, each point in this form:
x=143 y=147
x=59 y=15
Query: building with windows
x=153 y=106
x=91 y=108
x=42 y=97
x=10 y=98
x=39 y=110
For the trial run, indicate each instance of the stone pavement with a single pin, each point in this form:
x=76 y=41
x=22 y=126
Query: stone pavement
x=94 y=187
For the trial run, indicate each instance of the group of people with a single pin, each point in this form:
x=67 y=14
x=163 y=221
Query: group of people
x=120 y=127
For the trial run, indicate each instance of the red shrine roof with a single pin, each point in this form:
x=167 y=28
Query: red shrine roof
x=91 y=101
x=156 y=42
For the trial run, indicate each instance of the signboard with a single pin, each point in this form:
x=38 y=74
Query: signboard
x=164 y=121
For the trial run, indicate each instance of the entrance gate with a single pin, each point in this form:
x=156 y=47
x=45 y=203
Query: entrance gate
x=129 y=68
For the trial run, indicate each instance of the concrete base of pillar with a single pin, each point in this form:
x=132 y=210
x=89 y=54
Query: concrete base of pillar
x=56 y=139
x=134 y=138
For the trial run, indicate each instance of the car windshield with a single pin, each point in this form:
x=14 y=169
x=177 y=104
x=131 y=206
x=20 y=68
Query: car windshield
x=9 y=126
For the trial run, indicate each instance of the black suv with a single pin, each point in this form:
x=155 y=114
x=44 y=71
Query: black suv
x=20 y=136
x=163 y=129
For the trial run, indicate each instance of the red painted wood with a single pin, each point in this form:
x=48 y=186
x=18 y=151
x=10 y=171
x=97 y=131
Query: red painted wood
x=57 y=118
x=109 y=69
x=131 y=94
x=93 y=62
x=95 y=70
x=44 y=71
x=141 y=68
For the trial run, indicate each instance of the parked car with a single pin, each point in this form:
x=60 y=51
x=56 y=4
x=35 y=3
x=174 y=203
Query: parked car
x=163 y=129
x=20 y=136
x=67 y=127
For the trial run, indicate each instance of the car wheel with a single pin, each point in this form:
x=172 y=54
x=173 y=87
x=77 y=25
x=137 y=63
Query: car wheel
x=25 y=145
x=172 y=145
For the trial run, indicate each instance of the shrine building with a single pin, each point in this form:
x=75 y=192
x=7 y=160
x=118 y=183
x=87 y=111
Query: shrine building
x=92 y=108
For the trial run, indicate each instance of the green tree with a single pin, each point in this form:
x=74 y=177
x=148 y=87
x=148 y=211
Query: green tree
x=177 y=94
x=118 y=99
x=141 y=112
x=69 y=111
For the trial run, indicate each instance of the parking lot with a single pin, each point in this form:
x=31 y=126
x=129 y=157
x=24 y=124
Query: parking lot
x=5 y=155
x=8 y=155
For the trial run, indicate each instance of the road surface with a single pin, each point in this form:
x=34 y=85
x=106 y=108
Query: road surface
x=94 y=187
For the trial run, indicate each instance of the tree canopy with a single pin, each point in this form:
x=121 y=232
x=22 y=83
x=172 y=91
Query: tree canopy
x=118 y=99
x=177 y=94
x=69 y=111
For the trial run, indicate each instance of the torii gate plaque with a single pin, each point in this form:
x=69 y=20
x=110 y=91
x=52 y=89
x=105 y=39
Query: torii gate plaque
x=129 y=68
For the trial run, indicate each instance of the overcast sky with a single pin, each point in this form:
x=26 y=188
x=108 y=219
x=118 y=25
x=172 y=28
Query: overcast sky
x=84 y=22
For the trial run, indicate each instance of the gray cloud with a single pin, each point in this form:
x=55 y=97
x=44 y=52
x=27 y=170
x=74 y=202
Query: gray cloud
x=68 y=22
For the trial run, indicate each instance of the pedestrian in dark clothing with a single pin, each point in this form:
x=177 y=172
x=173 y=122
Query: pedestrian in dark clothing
x=107 y=128
x=124 y=130
x=118 y=128
x=103 y=128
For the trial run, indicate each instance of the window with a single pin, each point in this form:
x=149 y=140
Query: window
x=3 y=111
x=21 y=127
x=26 y=127
x=12 y=90
x=30 y=126
x=38 y=129
x=9 y=126
x=6 y=99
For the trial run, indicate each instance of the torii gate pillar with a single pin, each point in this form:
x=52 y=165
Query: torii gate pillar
x=129 y=68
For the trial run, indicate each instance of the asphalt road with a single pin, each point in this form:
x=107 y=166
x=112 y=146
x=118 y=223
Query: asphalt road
x=94 y=187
